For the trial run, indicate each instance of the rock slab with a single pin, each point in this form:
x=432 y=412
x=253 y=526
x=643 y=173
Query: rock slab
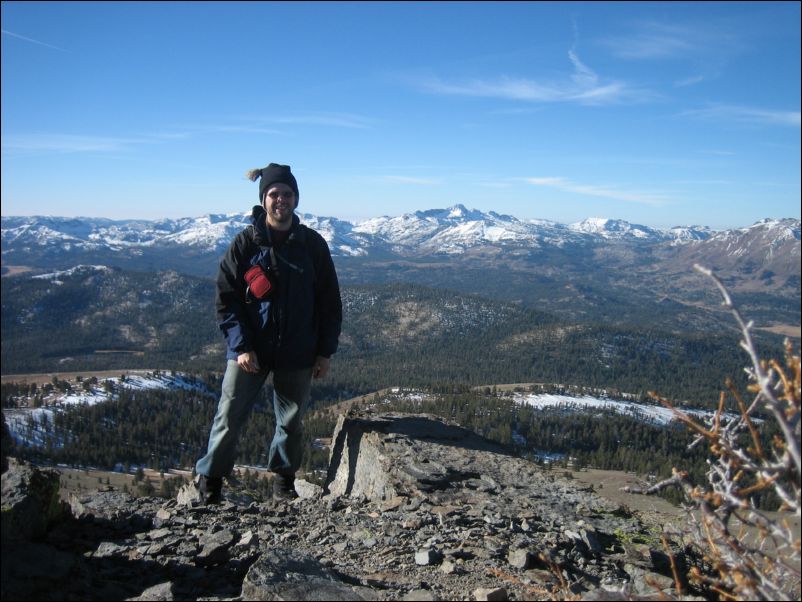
x=30 y=502
x=289 y=574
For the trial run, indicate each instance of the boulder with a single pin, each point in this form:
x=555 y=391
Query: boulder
x=307 y=490
x=7 y=445
x=289 y=574
x=30 y=503
x=381 y=457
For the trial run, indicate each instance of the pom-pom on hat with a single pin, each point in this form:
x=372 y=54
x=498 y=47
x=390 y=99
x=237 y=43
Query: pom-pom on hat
x=273 y=174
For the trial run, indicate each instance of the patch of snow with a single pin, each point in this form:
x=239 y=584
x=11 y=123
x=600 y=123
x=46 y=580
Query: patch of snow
x=19 y=420
x=654 y=414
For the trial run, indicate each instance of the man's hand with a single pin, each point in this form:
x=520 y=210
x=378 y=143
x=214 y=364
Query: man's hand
x=248 y=362
x=321 y=367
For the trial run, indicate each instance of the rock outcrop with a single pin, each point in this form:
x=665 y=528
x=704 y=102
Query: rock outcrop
x=414 y=509
x=30 y=502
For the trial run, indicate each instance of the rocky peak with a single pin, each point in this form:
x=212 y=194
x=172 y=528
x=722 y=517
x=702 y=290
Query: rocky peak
x=413 y=508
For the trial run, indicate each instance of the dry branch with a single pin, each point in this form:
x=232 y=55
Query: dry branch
x=737 y=568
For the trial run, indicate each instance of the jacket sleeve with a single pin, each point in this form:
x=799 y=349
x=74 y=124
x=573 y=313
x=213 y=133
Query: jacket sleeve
x=232 y=315
x=328 y=304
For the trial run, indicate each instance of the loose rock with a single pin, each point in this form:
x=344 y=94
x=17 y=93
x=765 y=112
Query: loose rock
x=426 y=510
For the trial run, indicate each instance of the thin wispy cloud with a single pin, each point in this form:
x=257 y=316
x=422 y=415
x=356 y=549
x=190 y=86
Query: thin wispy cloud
x=582 y=85
x=708 y=182
x=241 y=129
x=606 y=192
x=411 y=180
x=716 y=152
x=344 y=120
x=66 y=143
x=187 y=131
x=689 y=81
x=44 y=143
x=649 y=40
x=31 y=40
x=653 y=41
x=748 y=115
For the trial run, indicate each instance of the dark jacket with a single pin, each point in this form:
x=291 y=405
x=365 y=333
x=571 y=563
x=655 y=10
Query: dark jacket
x=302 y=319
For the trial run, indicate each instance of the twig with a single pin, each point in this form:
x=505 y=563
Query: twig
x=762 y=378
x=677 y=583
x=739 y=568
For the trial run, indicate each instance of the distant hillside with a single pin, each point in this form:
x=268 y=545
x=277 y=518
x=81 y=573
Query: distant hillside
x=597 y=270
x=94 y=318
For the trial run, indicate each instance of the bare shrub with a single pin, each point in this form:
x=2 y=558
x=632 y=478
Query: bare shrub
x=741 y=465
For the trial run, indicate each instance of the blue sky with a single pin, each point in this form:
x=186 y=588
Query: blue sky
x=661 y=114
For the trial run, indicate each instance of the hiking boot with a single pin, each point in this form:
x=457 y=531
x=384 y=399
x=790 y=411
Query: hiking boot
x=210 y=489
x=284 y=487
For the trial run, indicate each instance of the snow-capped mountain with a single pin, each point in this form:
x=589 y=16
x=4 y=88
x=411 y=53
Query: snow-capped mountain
x=456 y=229
x=601 y=270
x=771 y=247
x=682 y=234
x=767 y=249
x=618 y=229
x=95 y=233
x=451 y=230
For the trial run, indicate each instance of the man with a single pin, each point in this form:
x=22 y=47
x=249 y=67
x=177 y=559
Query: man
x=278 y=305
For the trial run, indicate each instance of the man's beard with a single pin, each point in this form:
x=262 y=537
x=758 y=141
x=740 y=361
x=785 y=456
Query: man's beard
x=281 y=217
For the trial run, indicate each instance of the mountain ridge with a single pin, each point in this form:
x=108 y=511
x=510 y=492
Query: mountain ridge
x=598 y=270
x=449 y=230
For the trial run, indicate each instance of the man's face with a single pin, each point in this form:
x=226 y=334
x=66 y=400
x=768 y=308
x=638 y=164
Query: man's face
x=279 y=203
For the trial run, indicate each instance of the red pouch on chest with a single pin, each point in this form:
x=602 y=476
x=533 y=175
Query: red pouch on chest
x=260 y=285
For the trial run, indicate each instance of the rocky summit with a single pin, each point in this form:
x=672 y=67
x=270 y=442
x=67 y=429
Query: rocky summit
x=413 y=508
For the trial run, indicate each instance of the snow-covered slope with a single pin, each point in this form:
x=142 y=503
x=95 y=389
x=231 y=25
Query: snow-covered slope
x=29 y=425
x=453 y=230
x=769 y=247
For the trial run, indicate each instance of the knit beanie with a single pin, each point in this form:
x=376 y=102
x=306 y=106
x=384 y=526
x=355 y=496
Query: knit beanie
x=273 y=174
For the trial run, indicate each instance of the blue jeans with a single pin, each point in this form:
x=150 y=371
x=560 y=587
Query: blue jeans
x=240 y=391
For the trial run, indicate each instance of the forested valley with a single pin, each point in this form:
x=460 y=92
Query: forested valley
x=164 y=429
x=394 y=335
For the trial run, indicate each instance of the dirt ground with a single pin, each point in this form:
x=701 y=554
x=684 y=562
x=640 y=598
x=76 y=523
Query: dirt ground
x=608 y=484
x=78 y=481
x=787 y=330
x=653 y=509
x=44 y=378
